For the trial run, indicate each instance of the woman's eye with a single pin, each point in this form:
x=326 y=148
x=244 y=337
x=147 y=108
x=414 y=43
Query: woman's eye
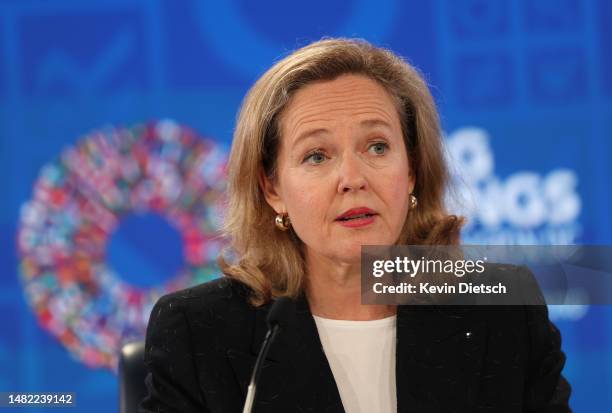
x=378 y=148
x=315 y=158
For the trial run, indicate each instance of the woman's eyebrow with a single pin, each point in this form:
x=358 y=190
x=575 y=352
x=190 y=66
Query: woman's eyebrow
x=375 y=122
x=309 y=133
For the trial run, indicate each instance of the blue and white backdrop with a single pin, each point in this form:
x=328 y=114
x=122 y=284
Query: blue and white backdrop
x=116 y=118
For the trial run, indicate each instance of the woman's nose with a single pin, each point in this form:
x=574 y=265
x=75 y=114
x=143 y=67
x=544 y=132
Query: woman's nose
x=351 y=174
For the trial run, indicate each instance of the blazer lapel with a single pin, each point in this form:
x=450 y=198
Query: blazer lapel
x=438 y=358
x=296 y=375
x=317 y=391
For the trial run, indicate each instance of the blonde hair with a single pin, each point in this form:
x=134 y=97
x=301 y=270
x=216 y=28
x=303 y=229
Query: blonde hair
x=271 y=262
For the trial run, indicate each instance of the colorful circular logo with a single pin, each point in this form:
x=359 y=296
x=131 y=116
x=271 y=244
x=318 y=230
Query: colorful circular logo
x=79 y=201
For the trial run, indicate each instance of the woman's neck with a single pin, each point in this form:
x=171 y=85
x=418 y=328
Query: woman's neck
x=334 y=291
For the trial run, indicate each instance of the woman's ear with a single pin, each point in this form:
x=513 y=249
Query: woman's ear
x=270 y=190
x=411 y=182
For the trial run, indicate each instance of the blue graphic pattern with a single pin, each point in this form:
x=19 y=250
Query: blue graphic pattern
x=536 y=75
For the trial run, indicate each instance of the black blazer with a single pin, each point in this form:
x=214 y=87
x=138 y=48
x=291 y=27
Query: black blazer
x=202 y=344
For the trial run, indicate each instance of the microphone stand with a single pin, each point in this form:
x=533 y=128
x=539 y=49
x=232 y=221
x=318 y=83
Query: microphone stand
x=250 y=398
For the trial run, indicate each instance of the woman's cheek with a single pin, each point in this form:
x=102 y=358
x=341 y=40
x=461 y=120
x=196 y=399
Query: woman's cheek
x=310 y=204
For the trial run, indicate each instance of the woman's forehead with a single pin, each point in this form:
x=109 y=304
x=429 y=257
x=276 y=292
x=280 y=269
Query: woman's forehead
x=353 y=98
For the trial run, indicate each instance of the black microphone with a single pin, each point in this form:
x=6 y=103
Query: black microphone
x=278 y=318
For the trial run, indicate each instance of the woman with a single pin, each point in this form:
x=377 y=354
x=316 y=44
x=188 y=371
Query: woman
x=338 y=146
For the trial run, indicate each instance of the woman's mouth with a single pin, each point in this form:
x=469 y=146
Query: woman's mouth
x=357 y=217
x=357 y=221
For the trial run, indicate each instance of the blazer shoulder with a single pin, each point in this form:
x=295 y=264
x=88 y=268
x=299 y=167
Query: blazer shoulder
x=212 y=296
x=186 y=329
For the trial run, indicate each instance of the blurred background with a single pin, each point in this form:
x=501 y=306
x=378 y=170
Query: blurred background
x=116 y=118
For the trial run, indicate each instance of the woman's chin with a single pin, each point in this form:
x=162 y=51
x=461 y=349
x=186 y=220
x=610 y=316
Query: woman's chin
x=347 y=252
x=350 y=255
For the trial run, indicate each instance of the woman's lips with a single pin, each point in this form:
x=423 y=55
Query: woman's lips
x=355 y=213
x=357 y=221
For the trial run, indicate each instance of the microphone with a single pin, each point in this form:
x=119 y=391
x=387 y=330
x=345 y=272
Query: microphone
x=278 y=318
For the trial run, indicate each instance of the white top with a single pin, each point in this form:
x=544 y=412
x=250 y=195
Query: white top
x=361 y=355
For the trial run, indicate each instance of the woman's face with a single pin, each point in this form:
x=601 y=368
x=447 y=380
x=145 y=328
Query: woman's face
x=342 y=169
